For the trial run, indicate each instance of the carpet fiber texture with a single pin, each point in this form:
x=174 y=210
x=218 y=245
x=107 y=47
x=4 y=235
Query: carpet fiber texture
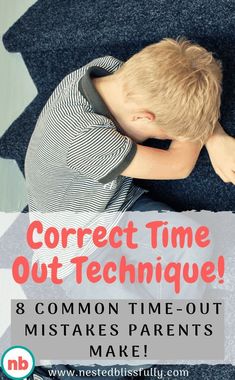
x=56 y=37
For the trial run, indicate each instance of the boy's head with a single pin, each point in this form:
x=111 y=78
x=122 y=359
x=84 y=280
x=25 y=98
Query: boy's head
x=177 y=86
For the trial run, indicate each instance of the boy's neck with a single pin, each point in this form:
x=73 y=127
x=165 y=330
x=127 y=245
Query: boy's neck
x=111 y=91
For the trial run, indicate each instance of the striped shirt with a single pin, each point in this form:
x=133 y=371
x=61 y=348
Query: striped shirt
x=76 y=153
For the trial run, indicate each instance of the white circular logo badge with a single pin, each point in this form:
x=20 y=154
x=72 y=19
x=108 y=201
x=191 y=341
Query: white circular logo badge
x=17 y=362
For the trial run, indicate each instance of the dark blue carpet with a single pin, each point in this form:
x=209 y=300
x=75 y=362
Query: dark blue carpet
x=56 y=37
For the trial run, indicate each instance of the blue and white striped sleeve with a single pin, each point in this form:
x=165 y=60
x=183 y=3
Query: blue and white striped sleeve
x=101 y=153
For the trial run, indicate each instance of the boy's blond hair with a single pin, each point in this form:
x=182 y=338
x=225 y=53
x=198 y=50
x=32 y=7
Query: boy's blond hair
x=181 y=84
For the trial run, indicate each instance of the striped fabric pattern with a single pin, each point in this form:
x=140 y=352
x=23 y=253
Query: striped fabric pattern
x=75 y=157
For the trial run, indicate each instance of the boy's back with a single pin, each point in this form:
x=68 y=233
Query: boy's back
x=76 y=154
x=87 y=145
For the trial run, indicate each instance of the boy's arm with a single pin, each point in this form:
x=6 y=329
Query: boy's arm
x=221 y=149
x=175 y=163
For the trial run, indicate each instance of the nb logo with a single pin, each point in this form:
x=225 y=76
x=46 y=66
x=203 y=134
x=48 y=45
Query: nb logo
x=17 y=362
x=20 y=365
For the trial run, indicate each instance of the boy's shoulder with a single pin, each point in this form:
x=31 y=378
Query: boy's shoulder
x=75 y=101
x=108 y=63
x=79 y=97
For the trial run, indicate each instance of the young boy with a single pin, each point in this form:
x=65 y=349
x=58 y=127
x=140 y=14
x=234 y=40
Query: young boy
x=87 y=145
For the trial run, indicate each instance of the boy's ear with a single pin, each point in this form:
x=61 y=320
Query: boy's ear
x=149 y=116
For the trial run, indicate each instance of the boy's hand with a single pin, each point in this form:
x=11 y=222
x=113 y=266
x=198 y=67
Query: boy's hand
x=221 y=149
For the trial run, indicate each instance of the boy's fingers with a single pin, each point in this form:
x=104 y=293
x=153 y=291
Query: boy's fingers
x=222 y=176
x=228 y=179
x=233 y=178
